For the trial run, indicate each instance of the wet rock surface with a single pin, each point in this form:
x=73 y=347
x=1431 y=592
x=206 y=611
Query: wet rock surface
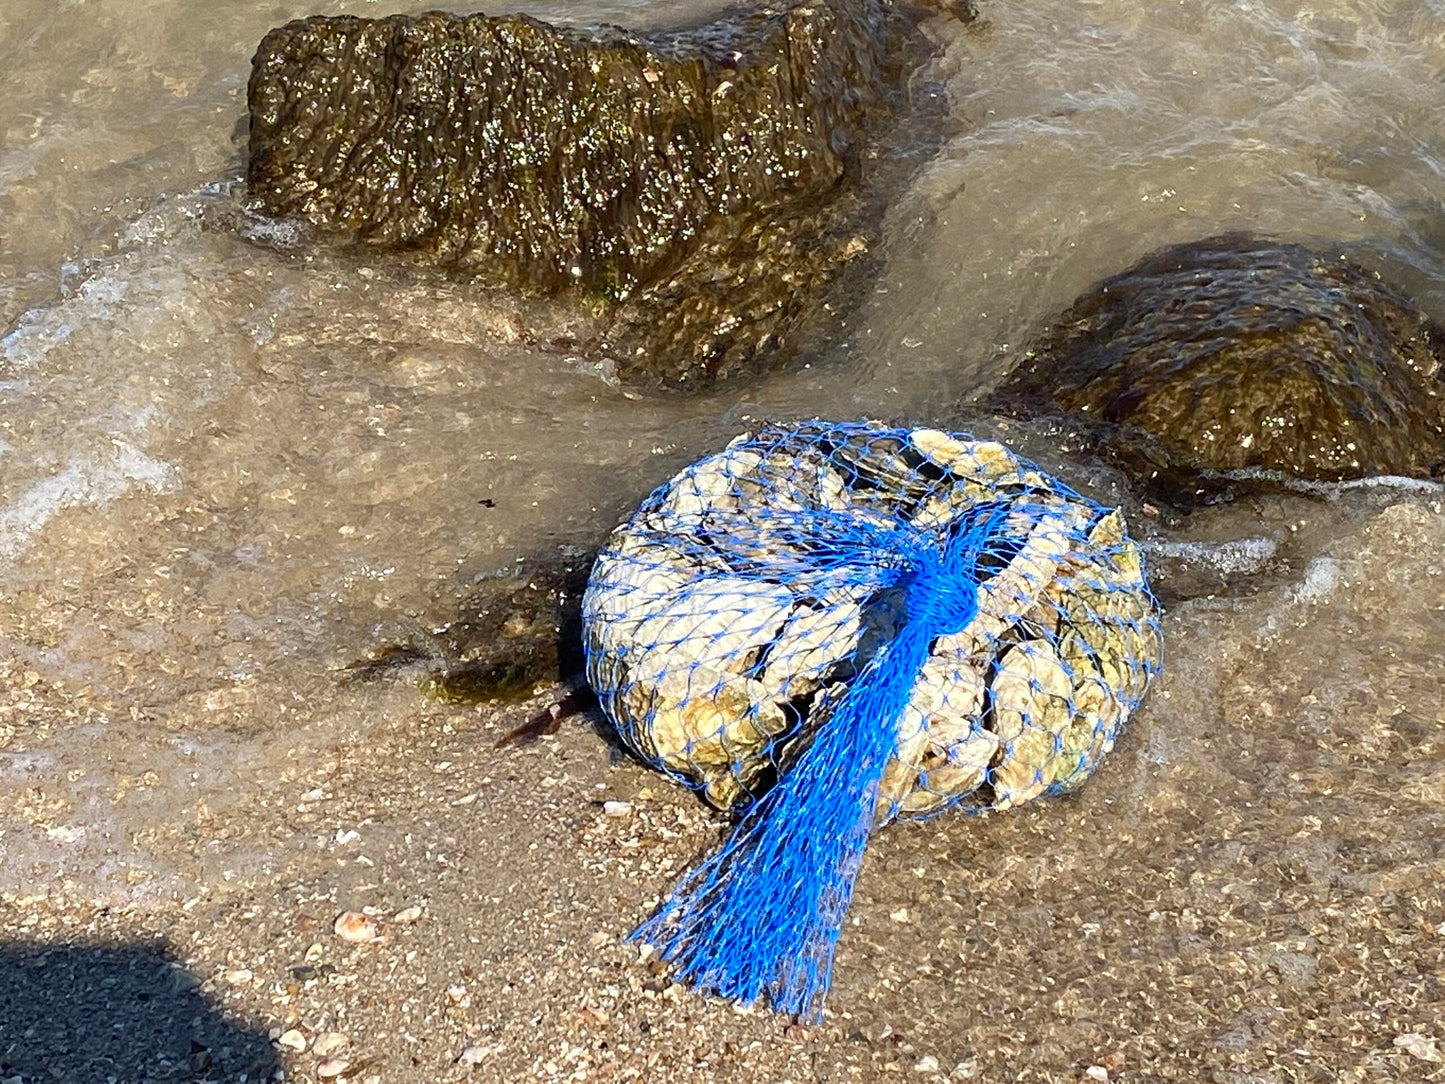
x=1242 y=354
x=697 y=188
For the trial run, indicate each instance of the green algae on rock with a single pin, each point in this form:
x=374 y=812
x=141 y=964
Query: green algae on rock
x=690 y=182
x=1243 y=354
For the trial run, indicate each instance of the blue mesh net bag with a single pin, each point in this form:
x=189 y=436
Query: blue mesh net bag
x=826 y=626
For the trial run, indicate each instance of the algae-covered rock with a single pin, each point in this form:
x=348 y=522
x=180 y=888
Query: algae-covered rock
x=1240 y=352
x=686 y=184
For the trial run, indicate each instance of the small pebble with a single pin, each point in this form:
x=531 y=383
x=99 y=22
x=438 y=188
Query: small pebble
x=407 y=915
x=356 y=927
x=456 y=993
x=1419 y=1046
x=617 y=809
x=238 y=976
x=475 y=1053
x=926 y=1064
x=332 y=1067
x=292 y=1040
x=1097 y=1072
x=900 y=915
x=329 y=1043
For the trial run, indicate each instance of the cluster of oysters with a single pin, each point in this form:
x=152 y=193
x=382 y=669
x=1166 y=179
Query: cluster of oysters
x=726 y=621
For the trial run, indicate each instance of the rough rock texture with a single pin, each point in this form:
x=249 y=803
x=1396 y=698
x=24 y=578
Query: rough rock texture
x=690 y=185
x=1239 y=352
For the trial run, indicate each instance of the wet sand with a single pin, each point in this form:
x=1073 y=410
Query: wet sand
x=231 y=467
x=1249 y=890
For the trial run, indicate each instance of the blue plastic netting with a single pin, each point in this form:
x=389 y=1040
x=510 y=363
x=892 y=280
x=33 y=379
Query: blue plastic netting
x=826 y=626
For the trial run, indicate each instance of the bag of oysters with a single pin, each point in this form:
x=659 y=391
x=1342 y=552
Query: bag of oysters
x=827 y=626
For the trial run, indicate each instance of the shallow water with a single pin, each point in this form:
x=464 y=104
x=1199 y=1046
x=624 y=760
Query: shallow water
x=230 y=464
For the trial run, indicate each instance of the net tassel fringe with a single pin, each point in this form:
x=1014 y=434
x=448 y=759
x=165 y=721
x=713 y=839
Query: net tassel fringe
x=761 y=917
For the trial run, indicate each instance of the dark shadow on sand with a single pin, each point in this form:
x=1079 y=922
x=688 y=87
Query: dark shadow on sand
x=128 y=1013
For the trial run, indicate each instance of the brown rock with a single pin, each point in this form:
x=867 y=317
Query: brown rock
x=1241 y=354
x=688 y=184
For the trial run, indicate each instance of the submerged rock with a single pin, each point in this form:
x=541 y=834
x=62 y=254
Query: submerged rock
x=1242 y=354
x=511 y=633
x=692 y=186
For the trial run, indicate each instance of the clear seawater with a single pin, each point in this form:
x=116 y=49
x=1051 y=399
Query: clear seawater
x=228 y=468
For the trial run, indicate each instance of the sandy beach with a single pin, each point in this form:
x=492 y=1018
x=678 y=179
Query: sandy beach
x=233 y=463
